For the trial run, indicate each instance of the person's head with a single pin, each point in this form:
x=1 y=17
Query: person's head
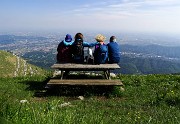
x=112 y=39
x=100 y=38
x=68 y=38
x=78 y=36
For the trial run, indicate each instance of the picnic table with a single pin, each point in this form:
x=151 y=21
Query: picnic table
x=106 y=68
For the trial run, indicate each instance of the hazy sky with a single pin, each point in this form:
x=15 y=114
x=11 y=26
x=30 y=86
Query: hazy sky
x=110 y=15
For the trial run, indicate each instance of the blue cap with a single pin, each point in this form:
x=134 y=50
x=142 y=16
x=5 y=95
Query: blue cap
x=68 y=38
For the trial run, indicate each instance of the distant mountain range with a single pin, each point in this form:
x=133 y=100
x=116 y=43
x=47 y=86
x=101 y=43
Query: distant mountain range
x=150 y=59
x=140 y=65
x=153 y=50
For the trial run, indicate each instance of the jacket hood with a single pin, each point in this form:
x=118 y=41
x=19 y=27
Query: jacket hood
x=67 y=43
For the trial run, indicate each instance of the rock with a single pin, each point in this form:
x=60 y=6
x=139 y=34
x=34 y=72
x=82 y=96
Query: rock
x=113 y=75
x=122 y=89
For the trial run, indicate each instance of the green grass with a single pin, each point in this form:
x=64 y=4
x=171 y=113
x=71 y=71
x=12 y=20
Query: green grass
x=8 y=66
x=6 y=59
x=153 y=99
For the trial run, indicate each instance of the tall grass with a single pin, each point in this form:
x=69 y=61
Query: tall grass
x=146 y=99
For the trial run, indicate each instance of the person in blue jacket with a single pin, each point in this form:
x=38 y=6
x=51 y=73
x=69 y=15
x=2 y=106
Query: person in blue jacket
x=100 y=50
x=113 y=51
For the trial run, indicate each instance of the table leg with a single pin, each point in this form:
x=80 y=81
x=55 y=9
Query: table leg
x=107 y=74
x=62 y=74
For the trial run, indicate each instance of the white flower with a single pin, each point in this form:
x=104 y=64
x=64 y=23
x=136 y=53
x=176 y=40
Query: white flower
x=65 y=104
x=81 y=97
x=23 y=101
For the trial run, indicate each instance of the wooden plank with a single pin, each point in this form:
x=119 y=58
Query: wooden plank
x=84 y=82
x=72 y=66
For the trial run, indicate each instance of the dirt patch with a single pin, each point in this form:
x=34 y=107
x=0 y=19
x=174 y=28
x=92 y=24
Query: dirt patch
x=39 y=99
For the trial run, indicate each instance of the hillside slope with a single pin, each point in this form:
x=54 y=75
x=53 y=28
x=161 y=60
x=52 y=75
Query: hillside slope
x=130 y=65
x=14 y=66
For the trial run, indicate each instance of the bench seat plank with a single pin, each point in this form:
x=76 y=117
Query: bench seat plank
x=84 y=82
x=72 y=66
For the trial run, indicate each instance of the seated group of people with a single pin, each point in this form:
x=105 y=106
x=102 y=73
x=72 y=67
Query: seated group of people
x=72 y=51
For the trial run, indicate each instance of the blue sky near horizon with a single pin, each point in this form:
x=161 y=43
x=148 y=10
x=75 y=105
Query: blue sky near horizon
x=161 y=16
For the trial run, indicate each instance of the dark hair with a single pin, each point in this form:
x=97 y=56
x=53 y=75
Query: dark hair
x=78 y=36
x=112 y=38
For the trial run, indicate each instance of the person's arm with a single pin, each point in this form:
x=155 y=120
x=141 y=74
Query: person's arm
x=86 y=44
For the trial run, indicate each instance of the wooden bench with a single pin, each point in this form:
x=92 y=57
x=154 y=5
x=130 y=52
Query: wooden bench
x=84 y=82
x=85 y=67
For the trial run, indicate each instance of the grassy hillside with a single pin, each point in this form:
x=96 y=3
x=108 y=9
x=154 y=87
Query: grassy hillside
x=14 y=66
x=153 y=99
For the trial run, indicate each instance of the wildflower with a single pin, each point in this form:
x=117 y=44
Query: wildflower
x=23 y=101
x=65 y=104
x=81 y=97
x=172 y=91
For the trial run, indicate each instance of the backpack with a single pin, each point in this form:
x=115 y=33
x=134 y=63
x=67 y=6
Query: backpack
x=64 y=53
x=100 y=54
x=78 y=51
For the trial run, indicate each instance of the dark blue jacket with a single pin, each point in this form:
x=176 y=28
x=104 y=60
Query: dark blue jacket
x=113 y=52
x=100 y=53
